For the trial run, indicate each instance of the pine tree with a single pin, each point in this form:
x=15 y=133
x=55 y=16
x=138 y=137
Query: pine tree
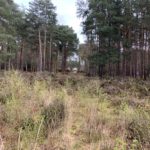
x=9 y=15
x=41 y=19
x=118 y=32
x=67 y=42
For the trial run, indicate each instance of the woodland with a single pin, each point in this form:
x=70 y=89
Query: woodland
x=57 y=93
x=117 y=38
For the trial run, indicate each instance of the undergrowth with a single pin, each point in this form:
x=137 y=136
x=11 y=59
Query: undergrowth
x=73 y=113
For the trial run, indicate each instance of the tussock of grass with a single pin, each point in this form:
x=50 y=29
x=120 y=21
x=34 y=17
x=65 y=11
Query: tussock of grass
x=54 y=114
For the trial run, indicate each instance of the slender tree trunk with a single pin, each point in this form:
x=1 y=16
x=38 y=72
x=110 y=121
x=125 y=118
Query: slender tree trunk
x=145 y=55
x=100 y=68
x=118 y=63
x=44 y=52
x=56 y=69
x=40 y=52
x=9 y=63
x=50 y=54
x=64 y=60
x=79 y=67
x=21 y=56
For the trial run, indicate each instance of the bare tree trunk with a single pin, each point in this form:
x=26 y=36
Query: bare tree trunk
x=79 y=67
x=56 y=69
x=21 y=56
x=50 y=54
x=145 y=56
x=9 y=64
x=44 y=52
x=64 y=60
x=40 y=52
x=118 y=63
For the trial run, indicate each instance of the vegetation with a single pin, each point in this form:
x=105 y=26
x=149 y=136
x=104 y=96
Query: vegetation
x=33 y=40
x=117 y=42
x=117 y=34
x=39 y=111
x=43 y=105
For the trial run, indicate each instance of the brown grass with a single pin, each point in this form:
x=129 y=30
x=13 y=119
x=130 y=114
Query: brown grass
x=73 y=112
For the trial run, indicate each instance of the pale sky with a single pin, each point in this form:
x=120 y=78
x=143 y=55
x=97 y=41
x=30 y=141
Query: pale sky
x=66 y=10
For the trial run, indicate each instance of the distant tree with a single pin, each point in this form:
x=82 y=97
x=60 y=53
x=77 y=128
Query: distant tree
x=31 y=39
x=67 y=43
x=41 y=19
x=9 y=15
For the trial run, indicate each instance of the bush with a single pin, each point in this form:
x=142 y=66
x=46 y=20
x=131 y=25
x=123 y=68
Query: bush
x=54 y=114
x=12 y=86
x=139 y=129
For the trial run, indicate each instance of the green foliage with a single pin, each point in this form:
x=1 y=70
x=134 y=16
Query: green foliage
x=9 y=15
x=105 y=57
x=114 y=25
x=66 y=38
x=19 y=34
x=41 y=15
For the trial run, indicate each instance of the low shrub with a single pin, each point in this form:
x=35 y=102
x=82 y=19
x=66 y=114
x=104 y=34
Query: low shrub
x=139 y=129
x=54 y=114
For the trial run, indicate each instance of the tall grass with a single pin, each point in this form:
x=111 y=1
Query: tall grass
x=43 y=112
x=24 y=106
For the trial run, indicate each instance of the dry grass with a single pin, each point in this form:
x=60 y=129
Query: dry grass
x=73 y=113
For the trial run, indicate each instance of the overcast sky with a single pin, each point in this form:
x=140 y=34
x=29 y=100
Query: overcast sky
x=66 y=10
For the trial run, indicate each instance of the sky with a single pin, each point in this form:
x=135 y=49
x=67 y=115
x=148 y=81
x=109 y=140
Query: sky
x=66 y=10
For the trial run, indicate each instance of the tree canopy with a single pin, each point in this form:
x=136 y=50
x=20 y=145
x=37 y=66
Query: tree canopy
x=118 y=32
x=33 y=40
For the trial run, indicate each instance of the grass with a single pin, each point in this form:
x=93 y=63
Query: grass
x=73 y=112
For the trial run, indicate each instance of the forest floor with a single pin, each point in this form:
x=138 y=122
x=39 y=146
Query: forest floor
x=73 y=112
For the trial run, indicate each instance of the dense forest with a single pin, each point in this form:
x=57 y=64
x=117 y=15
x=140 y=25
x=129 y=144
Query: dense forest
x=118 y=37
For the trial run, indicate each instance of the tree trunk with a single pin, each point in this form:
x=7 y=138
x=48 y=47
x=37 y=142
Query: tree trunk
x=50 y=54
x=21 y=56
x=9 y=64
x=118 y=63
x=40 y=52
x=44 y=52
x=64 y=60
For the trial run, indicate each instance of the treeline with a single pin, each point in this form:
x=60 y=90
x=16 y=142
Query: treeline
x=32 y=39
x=118 y=37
